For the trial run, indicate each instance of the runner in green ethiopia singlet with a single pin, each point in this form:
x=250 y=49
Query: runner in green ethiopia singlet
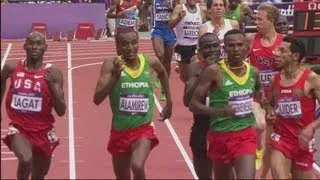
x=238 y=92
x=235 y=14
x=132 y=97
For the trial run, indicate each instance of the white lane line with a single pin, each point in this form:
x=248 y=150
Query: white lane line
x=177 y=140
x=72 y=165
x=5 y=56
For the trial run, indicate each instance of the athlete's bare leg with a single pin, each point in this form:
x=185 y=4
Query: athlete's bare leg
x=222 y=171
x=140 y=152
x=121 y=166
x=22 y=148
x=280 y=165
x=267 y=152
x=298 y=174
x=203 y=167
x=245 y=167
x=40 y=166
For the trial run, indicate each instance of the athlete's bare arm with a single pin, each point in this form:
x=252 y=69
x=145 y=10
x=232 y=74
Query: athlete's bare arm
x=307 y=132
x=112 y=9
x=270 y=106
x=248 y=11
x=209 y=79
x=157 y=66
x=54 y=78
x=258 y=86
x=177 y=15
x=193 y=72
x=5 y=74
x=110 y=72
x=314 y=80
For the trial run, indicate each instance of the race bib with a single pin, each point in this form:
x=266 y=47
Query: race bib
x=26 y=103
x=289 y=108
x=162 y=16
x=52 y=136
x=265 y=76
x=190 y=33
x=127 y=22
x=134 y=104
x=242 y=105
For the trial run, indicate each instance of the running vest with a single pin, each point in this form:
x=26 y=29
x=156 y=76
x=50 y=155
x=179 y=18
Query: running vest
x=131 y=99
x=293 y=112
x=188 y=27
x=235 y=15
x=263 y=59
x=238 y=92
x=29 y=99
x=161 y=14
x=131 y=13
x=227 y=27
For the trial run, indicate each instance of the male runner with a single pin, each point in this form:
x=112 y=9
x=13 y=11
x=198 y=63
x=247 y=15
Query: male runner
x=127 y=79
x=125 y=14
x=282 y=25
x=237 y=11
x=209 y=49
x=293 y=94
x=163 y=38
x=186 y=18
x=35 y=89
x=232 y=84
x=218 y=24
x=262 y=44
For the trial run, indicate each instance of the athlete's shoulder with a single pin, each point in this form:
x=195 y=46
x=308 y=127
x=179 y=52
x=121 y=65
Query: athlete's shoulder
x=313 y=76
x=8 y=69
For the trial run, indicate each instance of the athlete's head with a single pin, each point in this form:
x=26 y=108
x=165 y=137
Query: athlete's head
x=35 y=46
x=291 y=50
x=191 y=2
x=267 y=18
x=217 y=8
x=127 y=41
x=209 y=46
x=282 y=25
x=232 y=4
x=235 y=45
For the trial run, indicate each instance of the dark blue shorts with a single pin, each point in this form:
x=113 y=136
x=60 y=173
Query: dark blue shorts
x=167 y=35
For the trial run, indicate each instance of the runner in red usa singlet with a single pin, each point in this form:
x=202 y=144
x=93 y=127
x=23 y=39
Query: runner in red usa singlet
x=35 y=89
x=29 y=102
x=293 y=94
x=262 y=58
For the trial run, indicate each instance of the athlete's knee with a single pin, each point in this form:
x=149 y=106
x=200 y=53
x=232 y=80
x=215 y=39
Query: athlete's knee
x=249 y=174
x=25 y=160
x=160 y=54
x=137 y=166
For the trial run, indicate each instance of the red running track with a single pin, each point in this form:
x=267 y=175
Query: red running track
x=84 y=130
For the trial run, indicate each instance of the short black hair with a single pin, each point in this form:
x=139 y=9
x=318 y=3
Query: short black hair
x=296 y=46
x=233 y=31
x=124 y=31
x=201 y=38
